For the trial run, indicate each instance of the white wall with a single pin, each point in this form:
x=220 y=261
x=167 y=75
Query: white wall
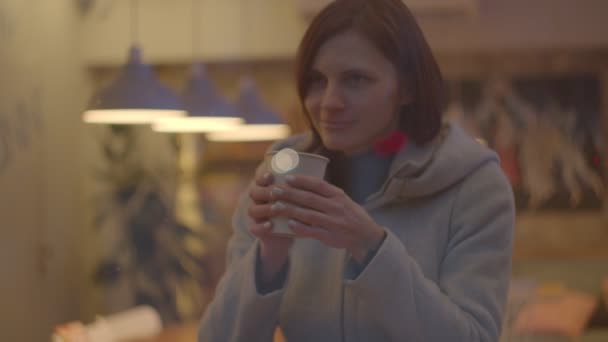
x=272 y=28
x=42 y=91
x=165 y=30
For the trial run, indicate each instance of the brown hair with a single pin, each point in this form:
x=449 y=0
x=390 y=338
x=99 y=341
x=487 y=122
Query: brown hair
x=391 y=27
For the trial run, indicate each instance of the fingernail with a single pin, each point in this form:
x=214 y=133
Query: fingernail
x=290 y=178
x=277 y=191
x=292 y=223
x=278 y=206
x=267 y=224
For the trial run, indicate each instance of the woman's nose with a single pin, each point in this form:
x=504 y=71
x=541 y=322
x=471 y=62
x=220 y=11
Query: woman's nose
x=332 y=98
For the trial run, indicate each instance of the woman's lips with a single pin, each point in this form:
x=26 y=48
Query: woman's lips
x=334 y=125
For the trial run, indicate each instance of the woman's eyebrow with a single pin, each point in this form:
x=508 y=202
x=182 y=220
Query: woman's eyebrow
x=356 y=70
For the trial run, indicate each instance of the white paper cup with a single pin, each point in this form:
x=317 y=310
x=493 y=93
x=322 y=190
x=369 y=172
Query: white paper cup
x=289 y=162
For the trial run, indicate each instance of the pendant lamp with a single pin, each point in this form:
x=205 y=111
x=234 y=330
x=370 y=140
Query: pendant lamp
x=135 y=96
x=208 y=111
x=262 y=123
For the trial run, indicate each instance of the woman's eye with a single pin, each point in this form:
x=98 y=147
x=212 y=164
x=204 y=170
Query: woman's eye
x=356 y=80
x=316 y=81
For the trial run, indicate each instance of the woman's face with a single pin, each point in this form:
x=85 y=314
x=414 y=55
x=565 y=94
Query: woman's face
x=354 y=94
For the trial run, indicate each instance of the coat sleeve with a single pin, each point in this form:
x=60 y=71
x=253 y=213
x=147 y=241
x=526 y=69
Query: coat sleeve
x=467 y=303
x=238 y=312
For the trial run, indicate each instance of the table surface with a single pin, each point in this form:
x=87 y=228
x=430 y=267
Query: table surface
x=187 y=332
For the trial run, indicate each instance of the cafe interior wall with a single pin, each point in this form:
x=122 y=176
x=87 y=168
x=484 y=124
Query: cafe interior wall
x=43 y=88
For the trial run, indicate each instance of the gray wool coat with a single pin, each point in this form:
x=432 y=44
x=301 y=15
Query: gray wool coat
x=441 y=274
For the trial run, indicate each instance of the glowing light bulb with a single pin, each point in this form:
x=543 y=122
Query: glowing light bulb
x=284 y=161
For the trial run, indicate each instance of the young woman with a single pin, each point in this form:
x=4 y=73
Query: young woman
x=409 y=236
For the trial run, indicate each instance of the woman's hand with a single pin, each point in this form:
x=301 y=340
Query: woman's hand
x=274 y=249
x=321 y=211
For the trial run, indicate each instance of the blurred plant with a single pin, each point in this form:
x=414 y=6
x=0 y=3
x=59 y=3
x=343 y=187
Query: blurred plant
x=163 y=260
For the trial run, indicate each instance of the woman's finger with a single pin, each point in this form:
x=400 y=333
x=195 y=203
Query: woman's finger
x=261 y=230
x=305 y=215
x=260 y=194
x=264 y=179
x=259 y=212
x=314 y=184
x=306 y=199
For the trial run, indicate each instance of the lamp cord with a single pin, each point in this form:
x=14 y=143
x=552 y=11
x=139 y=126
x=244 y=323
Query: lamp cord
x=243 y=22
x=134 y=22
x=196 y=29
x=242 y=27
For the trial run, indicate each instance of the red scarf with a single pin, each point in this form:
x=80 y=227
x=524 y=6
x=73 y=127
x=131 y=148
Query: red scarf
x=391 y=144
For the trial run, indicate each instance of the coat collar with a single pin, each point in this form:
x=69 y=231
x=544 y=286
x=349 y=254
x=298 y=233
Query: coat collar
x=409 y=162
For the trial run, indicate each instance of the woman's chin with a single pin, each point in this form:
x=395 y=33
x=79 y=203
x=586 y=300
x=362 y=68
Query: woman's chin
x=330 y=143
x=343 y=146
x=335 y=144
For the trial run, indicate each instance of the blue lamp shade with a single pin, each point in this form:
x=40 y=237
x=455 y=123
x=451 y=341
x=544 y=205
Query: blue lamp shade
x=207 y=110
x=262 y=123
x=135 y=97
